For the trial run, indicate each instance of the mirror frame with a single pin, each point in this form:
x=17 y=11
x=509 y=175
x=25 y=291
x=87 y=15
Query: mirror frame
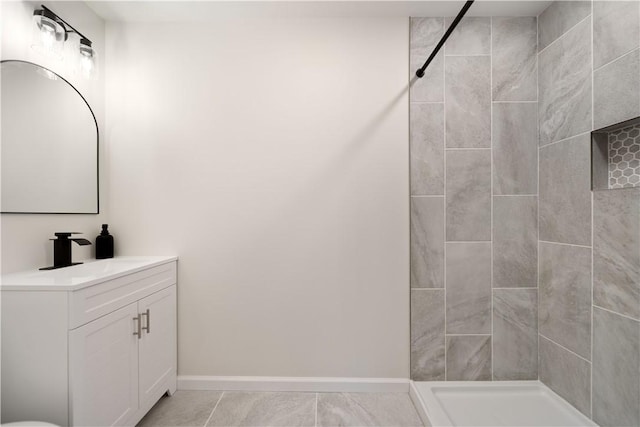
x=97 y=147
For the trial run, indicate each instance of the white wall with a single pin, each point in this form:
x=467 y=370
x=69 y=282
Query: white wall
x=272 y=157
x=25 y=243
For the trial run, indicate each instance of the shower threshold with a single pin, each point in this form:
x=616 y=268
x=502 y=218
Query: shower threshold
x=497 y=403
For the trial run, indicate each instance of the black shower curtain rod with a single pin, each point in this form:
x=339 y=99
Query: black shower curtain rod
x=463 y=11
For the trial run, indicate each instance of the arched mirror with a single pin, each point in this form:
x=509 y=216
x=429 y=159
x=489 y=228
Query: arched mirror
x=49 y=143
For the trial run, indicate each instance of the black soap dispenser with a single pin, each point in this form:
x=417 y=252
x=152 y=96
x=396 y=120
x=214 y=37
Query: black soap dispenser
x=104 y=244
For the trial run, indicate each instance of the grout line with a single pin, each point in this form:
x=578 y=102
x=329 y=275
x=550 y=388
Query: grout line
x=564 y=34
x=515 y=195
x=214 y=408
x=610 y=62
x=316 y=421
x=444 y=222
x=427 y=289
x=567 y=138
x=566 y=244
x=565 y=348
x=515 y=288
x=467 y=241
x=426 y=195
x=616 y=313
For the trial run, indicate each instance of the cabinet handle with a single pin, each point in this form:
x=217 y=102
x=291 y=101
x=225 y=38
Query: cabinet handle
x=148 y=327
x=138 y=324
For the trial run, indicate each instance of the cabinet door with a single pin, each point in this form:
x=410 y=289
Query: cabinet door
x=103 y=367
x=158 y=345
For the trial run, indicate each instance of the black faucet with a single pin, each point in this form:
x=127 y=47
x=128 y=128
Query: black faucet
x=62 y=250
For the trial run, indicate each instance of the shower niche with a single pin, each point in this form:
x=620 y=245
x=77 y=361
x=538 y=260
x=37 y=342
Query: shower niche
x=615 y=156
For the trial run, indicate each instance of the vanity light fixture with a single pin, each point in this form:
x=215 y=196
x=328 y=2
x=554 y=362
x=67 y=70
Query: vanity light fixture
x=51 y=32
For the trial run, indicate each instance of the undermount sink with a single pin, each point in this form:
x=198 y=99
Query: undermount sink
x=81 y=275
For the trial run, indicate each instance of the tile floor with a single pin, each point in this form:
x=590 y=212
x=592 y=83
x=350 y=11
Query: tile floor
x=234 y=408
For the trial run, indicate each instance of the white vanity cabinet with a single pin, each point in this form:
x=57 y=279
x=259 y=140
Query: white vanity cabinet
x=89 y=345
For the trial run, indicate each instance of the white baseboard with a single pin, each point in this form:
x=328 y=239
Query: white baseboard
x=310 y=384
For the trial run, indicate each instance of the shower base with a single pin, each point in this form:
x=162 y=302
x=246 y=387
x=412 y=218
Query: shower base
x=499 y=403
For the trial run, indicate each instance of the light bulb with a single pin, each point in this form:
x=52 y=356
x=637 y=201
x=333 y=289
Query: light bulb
x=87 y=59
x=49 y=35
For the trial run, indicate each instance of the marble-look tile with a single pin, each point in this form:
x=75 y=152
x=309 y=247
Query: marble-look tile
x=427 y=242
x=427 y=335
x=514 y=58
x=515 y=334
x=468 y=288
x=472 y=36
x=184 y=408
x=565 y=191
x=468 y=199
x=427 y=149
x=425 y=34
x=616 y=29
x=564 y=73
x=616 y=250
x=366 y=409
x=565 y=296
x=265 y=409
x=515 y=148
x=468 y=106
x=616 y=95
x=515 y=241
x=566 y=374
x=558 y=18
x=616 y=373
x=468 y=358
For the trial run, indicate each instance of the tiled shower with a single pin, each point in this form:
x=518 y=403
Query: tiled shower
x=518 y=269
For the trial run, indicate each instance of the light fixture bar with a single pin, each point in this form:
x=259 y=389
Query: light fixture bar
x=65 y=24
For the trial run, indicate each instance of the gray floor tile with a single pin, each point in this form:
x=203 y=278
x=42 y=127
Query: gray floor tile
x=265 y=409
x=366 y=409
x=184 y=408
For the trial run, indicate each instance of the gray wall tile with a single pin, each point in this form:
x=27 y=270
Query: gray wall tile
x=427 y=149
x=469 y=358
x=565 y=296
x=514 y=59
x=427 y=335
x=515 y=148
x=468 y=288
x=468 y=106
x=616 y=29
x=558 y=18
x=472 y=36
x=427 y=242
x=564 y=72
x=616 y=369
x=566 y=374
x=565 y=191
x=617 y=91
x=616 y=250
x=515 y=241
x=515 y=334
x=468 y=195
x=425 y=34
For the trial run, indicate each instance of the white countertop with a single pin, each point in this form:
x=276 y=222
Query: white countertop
x=80 y=276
